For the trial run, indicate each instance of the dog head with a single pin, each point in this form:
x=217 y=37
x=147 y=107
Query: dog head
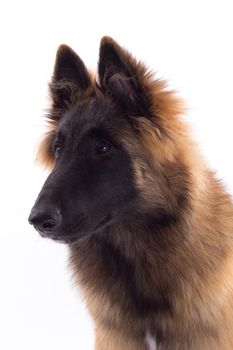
x=110 y=147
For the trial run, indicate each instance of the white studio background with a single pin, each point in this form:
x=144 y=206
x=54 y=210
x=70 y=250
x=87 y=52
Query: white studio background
x=188 y=42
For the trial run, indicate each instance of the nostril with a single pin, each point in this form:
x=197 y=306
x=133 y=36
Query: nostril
x=48 y=225
x=45 y=220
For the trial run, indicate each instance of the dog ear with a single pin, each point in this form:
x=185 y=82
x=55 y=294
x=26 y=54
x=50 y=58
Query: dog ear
x=122 y=77
x=70 y=77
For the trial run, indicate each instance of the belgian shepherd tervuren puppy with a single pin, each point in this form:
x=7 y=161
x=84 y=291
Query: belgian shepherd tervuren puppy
x=150 y=229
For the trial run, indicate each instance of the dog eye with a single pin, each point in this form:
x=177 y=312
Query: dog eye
x=57 y=150
x=102 y=146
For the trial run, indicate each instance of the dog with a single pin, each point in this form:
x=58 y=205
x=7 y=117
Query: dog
x=149 y=227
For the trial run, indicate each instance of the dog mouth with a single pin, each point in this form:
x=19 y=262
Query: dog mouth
x=103 y=223
x=77 y=232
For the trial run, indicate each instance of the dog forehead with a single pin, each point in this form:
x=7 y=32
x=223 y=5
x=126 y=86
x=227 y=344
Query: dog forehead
x=89 y=114
x=85 y=115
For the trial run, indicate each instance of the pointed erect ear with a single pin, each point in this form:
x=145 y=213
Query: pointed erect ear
x=123 y=78
x=69 y=78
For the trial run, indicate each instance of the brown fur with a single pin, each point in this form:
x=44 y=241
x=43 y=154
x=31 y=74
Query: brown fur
x=183 y=270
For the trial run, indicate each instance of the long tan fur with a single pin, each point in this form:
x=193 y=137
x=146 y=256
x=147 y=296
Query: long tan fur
x=190 y=261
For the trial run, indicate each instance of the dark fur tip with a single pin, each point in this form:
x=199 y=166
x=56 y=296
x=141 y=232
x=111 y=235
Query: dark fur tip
x=110 y=48
x=69 y=67
x=64 y=49
x=65 y=56
x=107 y=40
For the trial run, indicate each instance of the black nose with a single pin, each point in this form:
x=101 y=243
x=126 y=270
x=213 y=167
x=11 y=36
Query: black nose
x=45 y=220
